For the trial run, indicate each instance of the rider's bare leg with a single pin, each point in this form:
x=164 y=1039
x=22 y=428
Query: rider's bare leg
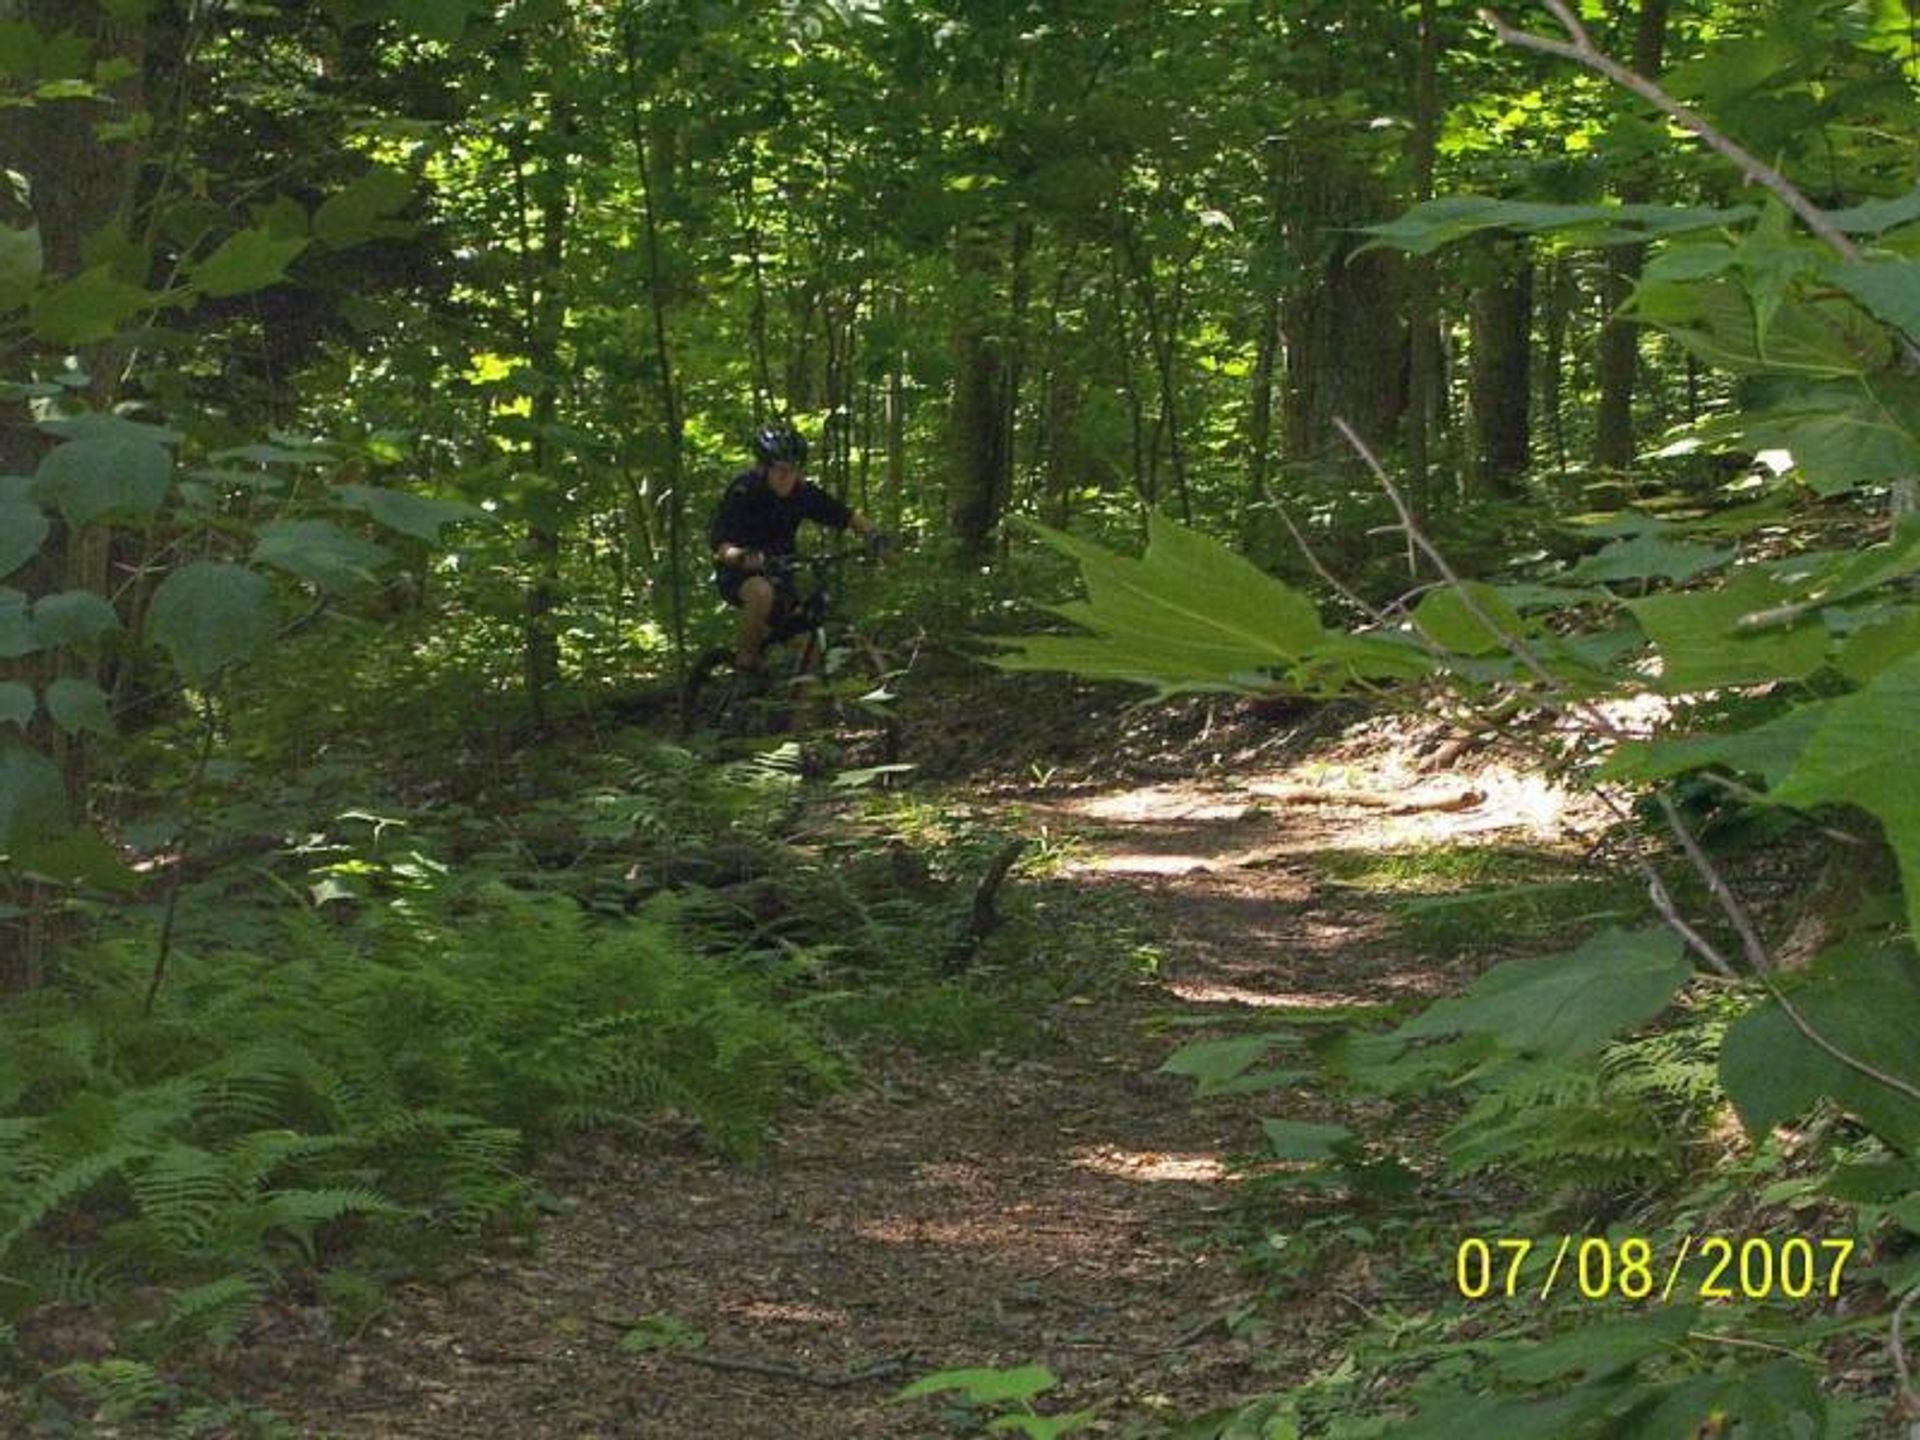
x=756 y=620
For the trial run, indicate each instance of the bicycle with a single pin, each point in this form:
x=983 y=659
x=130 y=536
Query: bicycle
x=845 y=673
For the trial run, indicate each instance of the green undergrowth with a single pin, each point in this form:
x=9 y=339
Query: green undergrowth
x=1422 y=1171
x=403 y=985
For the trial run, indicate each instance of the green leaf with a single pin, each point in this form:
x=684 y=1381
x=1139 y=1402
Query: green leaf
x=1436 y=223
x=320 y=552
x=247 y=261
x=1598 y=1350
x=97 y=479
x=33 y=797
x=1888 y=288
x=1862 y=754
x=1859 y=997
x=1769 y=750
x=1778 y=1399
x=1213 y=1063
x=1879 y=646
x=79 y=707
x=984 y=1386
x=17 y=705
x=1303 y=1140
x=209 y=615
x=1447 y=618
x=1649 y=556
x=79 y=856
x=17 y=635
x=104 y=425
x=661 y=1331
x=1708 y=639
x=353 y=215
x=415 y=515
x=73 y=617
x=1717 y=321
x=1877 y=215
x=1566 y=1005
x=87 y=309
x=1188 y=615
x=443 y=20
x=23 y=529
x=21 y=261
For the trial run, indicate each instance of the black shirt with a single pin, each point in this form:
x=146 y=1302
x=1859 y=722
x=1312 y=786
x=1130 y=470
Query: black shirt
x=750 y=514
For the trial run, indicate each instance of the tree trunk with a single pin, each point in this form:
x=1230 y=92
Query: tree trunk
x=1618 y=360
x=1501 y=378
x=1423 y=288
x=978 y=415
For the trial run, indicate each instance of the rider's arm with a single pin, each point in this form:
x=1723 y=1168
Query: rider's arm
x=738 y=557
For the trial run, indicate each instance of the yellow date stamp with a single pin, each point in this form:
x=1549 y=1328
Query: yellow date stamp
x=1687 y=1268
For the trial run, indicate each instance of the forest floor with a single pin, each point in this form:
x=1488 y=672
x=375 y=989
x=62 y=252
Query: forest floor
x=1059 y=1202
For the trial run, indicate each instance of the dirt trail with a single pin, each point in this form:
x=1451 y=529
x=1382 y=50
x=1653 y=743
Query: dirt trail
x=1048 y=1209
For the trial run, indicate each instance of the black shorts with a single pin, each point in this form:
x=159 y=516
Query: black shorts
x=728 y=581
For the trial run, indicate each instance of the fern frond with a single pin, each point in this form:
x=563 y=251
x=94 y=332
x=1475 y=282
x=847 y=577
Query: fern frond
x=218 y=1310
x=122 y=1389
x=62 y=1186
x=180 y=1191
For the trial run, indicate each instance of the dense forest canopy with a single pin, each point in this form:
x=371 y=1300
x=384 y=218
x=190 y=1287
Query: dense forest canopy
x=369 y=370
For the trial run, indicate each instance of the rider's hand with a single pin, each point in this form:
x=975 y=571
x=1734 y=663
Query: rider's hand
x=753 y=561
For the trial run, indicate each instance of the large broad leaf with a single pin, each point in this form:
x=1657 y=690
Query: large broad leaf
x=1862 y=1000
x=1709 y=639
x=1436 y=223
x=79 y=707
x=97 y=479
x=1188 y=615
x=73 y=617
x=1779 y=1399
x=76 y=856
x=1596 y=1351
x=208 y=615
x=23 y=529
x=1814 y=338
x=21 y=261
x=1649 y=556
x=104 y=425
x=1878 y=215
x=320 y=552
x=33 y=797
x=1863 y=754
x=1567 y=1005
x=355 y=214
x=1889 y=288
x=415 y=515
x=250 y=260
x=1880 y=646
x=1769 y=750
x=1457 y=619
x=1841 y=437
x=88 y=308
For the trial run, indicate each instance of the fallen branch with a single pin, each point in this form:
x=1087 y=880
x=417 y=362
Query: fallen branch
x=985 y=918
x=779 y=1370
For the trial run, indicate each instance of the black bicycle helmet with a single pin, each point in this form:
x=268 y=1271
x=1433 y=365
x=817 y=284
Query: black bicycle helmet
x=780 y=442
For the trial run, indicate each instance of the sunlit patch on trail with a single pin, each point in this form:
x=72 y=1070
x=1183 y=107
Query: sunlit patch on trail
x=1153 y=1166
x=782 y=1312
x=1212 y=992
x=1134 y=863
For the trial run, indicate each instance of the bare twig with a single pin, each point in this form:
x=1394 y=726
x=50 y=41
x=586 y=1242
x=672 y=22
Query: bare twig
x=777 y=1370
x=1580 y=49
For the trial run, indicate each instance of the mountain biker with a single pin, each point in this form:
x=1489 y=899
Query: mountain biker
x=754 y=527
